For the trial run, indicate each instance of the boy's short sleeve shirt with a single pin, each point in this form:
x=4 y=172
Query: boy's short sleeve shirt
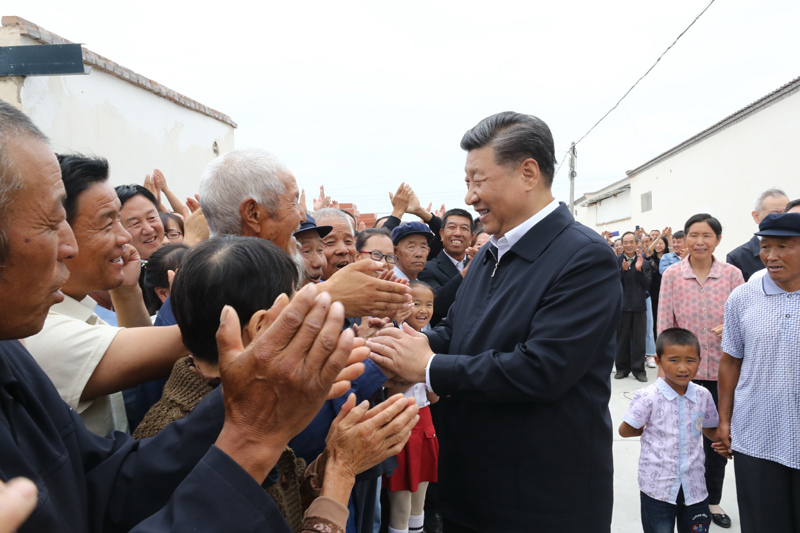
x=672 y=442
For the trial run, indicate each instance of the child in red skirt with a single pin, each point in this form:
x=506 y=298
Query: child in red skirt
x=417 y=463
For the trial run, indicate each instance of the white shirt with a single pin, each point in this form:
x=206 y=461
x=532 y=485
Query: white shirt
x=69 y=348
x=458 y=264
x=504 y=244
x=512 y=236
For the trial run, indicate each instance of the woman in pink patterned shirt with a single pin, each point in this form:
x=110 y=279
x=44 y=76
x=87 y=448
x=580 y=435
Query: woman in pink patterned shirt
x=693 y=295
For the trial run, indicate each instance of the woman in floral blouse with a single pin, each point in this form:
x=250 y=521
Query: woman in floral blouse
x=693 y=295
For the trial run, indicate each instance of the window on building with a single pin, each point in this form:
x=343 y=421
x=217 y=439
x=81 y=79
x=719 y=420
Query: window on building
x=647 y=201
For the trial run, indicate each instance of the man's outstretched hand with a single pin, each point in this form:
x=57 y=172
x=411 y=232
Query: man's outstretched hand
x=363 y=294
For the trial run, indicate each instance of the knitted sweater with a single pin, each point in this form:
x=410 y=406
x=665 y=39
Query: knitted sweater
x=183 y=391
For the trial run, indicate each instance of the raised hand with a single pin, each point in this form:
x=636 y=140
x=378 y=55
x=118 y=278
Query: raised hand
x=625 y=265
x=400 y=200
x=193 y=204
x=195 y=228
x=639 y=262
x=322 y=201
x=131 y=267
x=303 y=201
x=441 y=211
x=275 y=386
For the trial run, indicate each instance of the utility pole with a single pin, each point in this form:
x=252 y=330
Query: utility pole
x=572 y=157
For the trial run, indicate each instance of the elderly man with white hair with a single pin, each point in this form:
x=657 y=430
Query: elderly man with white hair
x=250 y=192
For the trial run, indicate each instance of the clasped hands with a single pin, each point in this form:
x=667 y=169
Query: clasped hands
x=403 y=352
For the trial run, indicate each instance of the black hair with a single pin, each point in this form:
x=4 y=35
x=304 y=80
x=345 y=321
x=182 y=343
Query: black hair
x=791 y=205
x=375 y=225
x=79 y=173
x=635 y=237
x=514 y=137
x=126 y=192
x=666 y=245
x=246 y=273
x=676 y=337
x=679 y=234
x=704 y=217
x=166 y=258
x=166 y=217
x=475 y=235
x=457 y=212
x=364 y=236
x=418 y=283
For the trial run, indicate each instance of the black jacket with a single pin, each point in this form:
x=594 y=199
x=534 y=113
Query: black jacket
x=176 y=481
x=441 y=274
x=746 y=258
x=523 y=366
x=635 y=284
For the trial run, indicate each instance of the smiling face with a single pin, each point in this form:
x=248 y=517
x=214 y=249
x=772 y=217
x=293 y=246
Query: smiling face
x=39 y=239
x=701 y=241
x=629 y=244
x=412 y=254
x=654 y=235
x=422 y=310
x=282 y=224
x=378 y=243
x=140 y=218
x=309 y=243
x=101 y=240
x=680 y=364
x=339 y=245
x=456 y=236
x=498 y=193
x=781 y=255
x=660 y=247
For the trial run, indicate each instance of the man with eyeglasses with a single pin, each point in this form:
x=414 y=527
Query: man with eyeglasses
x=411 y=245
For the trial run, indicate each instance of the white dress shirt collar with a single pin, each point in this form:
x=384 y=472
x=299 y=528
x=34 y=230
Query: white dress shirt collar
x=512 y=236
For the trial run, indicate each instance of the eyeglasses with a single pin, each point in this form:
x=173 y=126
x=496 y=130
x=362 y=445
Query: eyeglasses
x=377 y=256
x=173 y=235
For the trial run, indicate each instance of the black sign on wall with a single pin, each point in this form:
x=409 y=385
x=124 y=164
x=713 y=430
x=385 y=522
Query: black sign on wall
x=41 y=60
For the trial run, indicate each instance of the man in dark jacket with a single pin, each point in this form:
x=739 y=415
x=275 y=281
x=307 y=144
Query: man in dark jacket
x=634 y=274
x=211 y=481
x=746 y=257
x=522 y=362
x=445 y=271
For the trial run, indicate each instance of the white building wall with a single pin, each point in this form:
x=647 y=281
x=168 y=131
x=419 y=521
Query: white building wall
x=721 y=175
x=135 y=129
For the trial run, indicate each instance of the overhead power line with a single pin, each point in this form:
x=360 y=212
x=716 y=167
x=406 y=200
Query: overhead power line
x=645 y=74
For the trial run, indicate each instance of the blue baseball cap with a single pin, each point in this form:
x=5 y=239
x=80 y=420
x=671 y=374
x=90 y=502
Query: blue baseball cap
x=780 y=225
x=310 y=224
x=411 y=228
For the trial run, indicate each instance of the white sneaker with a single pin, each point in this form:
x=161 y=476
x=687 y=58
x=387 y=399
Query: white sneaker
x=651 y=362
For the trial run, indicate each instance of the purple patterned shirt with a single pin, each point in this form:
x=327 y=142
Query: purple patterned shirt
x=672 y=442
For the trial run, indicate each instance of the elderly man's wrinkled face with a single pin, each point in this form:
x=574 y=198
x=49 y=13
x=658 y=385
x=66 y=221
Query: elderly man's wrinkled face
x=101 y=240
x=412 y=254
x=140 y=218
x=781 y=256
x=39 y=240
x=310 y=247
x=287 y=217
x=339 y=245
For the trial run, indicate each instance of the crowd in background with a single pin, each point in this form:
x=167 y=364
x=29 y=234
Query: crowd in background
x=166 y=302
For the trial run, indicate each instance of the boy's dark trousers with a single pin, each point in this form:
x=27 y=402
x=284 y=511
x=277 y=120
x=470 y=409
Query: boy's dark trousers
x=660 y=517
x=631 y=334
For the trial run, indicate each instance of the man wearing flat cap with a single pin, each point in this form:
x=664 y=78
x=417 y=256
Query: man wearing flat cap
x=759 y=383
x=411 y=245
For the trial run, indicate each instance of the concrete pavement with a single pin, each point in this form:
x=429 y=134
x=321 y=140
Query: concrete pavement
x=626 y=518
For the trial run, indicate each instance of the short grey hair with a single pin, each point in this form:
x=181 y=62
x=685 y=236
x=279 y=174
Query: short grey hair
x=769 y=193
x=232 y=178
x=13 y=124
x=329 y=213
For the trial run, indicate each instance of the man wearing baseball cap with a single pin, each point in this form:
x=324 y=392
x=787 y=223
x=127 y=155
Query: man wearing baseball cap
x=411 y=245
x=759 y=383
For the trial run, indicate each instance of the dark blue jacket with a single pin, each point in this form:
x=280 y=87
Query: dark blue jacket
x=747 y=258
x=523 y=364
x=176 y=481
x=441 y=274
